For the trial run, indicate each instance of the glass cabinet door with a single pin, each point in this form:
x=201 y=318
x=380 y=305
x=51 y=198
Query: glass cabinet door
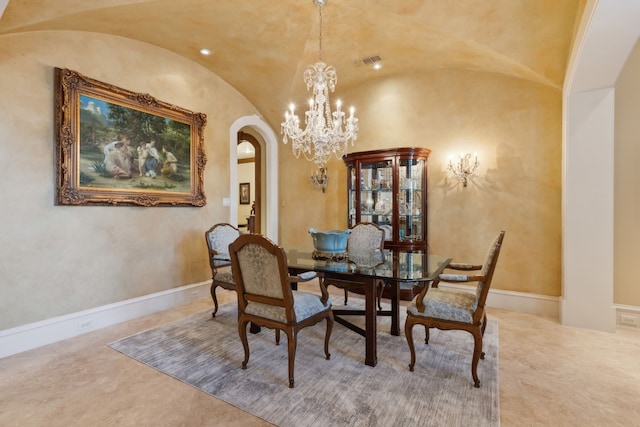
x=352 y=195
x=376 y=194
x=410 y=200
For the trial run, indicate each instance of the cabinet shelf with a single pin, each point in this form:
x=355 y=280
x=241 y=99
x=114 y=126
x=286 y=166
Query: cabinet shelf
x=376 y=191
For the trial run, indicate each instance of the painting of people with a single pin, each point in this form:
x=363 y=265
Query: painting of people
x=118 y=147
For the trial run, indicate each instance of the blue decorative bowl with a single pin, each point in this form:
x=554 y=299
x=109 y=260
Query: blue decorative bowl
x=330 y=244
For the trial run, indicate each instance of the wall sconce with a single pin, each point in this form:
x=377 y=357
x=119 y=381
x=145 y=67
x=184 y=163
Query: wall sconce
x=464 y=168
x=320 y=179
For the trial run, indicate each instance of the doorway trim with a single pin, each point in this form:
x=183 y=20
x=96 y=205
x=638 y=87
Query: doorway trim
x=271 y=159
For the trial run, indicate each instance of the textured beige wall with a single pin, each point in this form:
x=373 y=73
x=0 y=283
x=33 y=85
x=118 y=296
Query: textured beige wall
x=56 y=260
x=627 y=180
x=513 y=125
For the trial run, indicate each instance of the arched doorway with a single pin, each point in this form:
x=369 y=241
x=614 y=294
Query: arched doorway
x=269 y=197
x=256 y=160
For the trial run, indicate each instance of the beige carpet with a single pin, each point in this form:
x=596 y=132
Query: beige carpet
x=206 y=353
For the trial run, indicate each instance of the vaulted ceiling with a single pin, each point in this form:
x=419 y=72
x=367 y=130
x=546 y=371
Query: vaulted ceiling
x=262 y=47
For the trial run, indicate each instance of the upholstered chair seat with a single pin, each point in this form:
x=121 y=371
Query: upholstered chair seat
x=224 y=276
x=446 y=304
x=305 y=305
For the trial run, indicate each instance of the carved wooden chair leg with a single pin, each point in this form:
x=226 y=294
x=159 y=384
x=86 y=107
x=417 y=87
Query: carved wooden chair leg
x=408 y=332
x=477 y=351
x=291 y=336
x=380 y=291
x=242 y=330
x=215 y=300
x=484 y=326
x=327 y=335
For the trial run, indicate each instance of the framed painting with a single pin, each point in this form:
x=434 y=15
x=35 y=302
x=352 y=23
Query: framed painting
x=245 y=193
x=120 y=148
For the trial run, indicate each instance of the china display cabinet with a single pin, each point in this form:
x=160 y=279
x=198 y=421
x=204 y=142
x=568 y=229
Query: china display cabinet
x=389 y=187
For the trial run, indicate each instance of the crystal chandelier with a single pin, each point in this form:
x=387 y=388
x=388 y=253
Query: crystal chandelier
x=326 y=133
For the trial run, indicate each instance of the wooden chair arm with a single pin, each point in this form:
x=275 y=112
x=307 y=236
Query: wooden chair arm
x=451 y=278
x=218 y=261
x=310 y=275
x=303 y=277
x=459 y=278
x=464 y=267
x=219 y=256
x=323 y=289
x=423 y=292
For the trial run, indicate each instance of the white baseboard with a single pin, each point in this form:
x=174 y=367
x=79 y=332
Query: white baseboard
x=541 y=305
x=37 y=334
x=33 y=335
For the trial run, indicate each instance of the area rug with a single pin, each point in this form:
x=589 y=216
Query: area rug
x=206 y=353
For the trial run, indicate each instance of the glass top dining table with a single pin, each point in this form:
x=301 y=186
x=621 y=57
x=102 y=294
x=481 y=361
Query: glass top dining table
x=366 y=271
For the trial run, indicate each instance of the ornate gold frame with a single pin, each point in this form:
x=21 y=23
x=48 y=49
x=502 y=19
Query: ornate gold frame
x=136 y=190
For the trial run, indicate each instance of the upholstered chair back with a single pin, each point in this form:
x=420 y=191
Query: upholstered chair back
x=220 y=237
x=365 y=238
x=488 y=267
x=262 y=278
x=261 y=273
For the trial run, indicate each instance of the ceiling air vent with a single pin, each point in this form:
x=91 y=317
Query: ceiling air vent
x=371 y=60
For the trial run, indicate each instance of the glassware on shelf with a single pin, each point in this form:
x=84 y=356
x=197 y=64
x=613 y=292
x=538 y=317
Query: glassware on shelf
x=368 y=204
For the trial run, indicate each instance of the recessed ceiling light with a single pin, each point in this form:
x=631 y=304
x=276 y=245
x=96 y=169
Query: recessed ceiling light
x=205 y=51
x=377 y=66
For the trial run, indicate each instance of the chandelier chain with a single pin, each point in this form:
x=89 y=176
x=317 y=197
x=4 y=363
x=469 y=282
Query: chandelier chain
x=320 y=38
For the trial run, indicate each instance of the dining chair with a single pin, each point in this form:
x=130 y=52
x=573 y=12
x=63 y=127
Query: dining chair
x=365 y=241
x=218 y=239
x=265 y=297
x=455 y=309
